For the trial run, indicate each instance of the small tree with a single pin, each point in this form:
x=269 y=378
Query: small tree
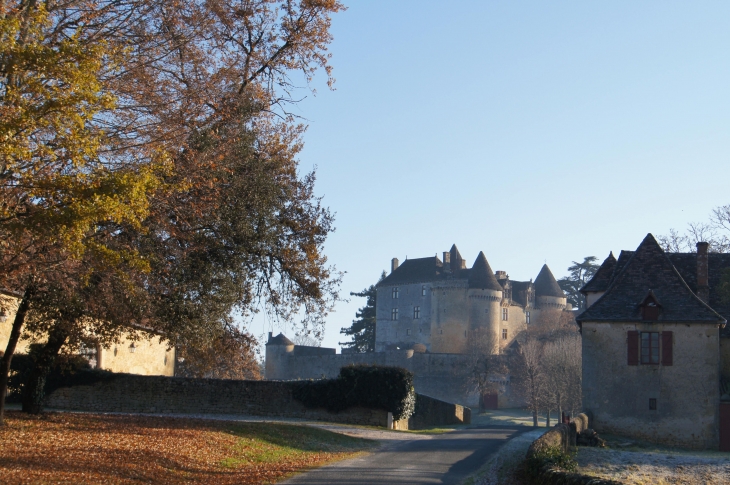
x=230 y=355
x=562 y=367
x=530 y=373
x=362 y=329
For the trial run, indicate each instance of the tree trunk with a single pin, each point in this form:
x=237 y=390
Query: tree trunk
x=547 y=419
x=7 y=358
x=534 y=418
x=34 y=389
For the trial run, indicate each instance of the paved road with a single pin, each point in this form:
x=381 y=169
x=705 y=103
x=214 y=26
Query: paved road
x=444 y=459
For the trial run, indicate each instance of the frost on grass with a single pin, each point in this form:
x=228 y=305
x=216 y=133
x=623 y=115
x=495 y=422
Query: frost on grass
x=500 y=468
x=656 y=466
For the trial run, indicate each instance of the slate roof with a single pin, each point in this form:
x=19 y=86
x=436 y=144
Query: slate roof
x=519 y=292
x=481 y=275
x=279 y=340
x=636 y=274
x=416 y=271
x=545 y=284
x=602 y=279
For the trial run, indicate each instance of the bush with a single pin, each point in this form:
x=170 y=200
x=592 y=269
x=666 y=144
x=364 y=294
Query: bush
x=374 y=387
x=67 y=371
x=534 y=466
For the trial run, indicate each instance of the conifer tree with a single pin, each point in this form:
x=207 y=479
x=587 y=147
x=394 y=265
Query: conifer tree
x=362 y=329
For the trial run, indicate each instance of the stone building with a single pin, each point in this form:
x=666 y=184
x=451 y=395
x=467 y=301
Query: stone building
x=656 y=349
x=134 y=354
x=440 y=304
x=427 y=310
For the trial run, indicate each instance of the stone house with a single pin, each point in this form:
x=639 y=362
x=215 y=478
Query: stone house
x=655 y=345
x=134 y=354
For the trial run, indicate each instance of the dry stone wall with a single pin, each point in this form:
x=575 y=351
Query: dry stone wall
x=157 y=394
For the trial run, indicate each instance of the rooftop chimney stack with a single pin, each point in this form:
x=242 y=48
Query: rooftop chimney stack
x=703 y=286
x=393 y=264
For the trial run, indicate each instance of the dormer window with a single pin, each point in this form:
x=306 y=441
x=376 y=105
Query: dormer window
x=650 y=307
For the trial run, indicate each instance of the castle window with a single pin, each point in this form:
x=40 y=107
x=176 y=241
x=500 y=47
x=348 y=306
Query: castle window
x=423 y=290
x=394 y=314
x=441 y=331
x=649 y=347
x=652 y=404
x=527 y=317
x=416 y=312
x=395 y=292
x=408 y=331
x=505 y=314
x=504 y=334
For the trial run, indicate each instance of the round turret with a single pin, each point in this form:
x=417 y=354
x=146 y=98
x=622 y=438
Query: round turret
x=485 y=296
x=277 y=351
x=550 y=300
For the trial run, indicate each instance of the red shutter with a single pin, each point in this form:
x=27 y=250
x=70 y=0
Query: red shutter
x=667 y=348
x=633 y=348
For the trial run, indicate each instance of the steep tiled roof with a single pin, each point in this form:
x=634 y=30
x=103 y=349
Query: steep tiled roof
x=279 y=340
x=602 y=279
x=481 y=275
x=545 y=284
x=415 y=271
x=519 y=291
x=649 y=269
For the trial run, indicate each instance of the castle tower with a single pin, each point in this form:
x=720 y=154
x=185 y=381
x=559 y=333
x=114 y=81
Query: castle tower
x=277 y=350
x=550 y=301
x=484 y=296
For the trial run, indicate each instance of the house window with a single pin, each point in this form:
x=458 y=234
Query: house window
x=505 y=314
x=652 y=404
x=504 y=334
x=394 y=314
x=416 y=312
x=649 y=347
x=395 y=292
x=527 y=317
x=423 y=290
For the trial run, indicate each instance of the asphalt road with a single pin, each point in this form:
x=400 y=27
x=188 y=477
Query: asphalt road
x=447 y=458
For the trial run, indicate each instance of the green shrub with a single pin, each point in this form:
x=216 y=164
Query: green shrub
x=552 y=457
x=369 y=386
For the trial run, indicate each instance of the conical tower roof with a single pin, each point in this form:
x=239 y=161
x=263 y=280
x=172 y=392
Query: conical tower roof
x=545 y=284
x=481 y=275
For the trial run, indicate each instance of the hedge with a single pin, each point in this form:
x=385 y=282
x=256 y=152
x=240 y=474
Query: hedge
x=368 y=386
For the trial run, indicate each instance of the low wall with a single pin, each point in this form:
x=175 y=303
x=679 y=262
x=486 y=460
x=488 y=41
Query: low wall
x=434 y=412
x=127 y=393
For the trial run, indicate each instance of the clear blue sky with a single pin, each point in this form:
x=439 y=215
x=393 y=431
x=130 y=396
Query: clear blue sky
x=532 y=131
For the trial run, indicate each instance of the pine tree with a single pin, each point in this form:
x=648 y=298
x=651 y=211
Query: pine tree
x=362 y=330
x=580 y=274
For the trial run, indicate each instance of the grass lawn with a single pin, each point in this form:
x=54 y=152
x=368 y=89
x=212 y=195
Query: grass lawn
x=88 y=448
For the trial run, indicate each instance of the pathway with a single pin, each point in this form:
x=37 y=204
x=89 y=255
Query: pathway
x=447 y=458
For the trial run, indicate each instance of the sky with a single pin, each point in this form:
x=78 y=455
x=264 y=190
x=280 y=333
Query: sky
x=537 y=132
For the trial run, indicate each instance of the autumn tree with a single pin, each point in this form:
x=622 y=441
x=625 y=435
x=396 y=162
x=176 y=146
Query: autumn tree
x=229 y=355
x=362 y=329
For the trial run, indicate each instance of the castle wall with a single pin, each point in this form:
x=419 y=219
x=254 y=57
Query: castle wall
x=450 y=321
x=516 y=323
x=436 y=375
x=411 y=327
x=151 y=357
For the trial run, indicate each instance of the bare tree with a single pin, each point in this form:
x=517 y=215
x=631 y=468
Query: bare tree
x=484 y=365
x=716 y=232
x=306 y=340
x=530 y=372
x=562 y=367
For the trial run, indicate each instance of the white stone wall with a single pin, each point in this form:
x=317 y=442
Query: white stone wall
x=687 y=392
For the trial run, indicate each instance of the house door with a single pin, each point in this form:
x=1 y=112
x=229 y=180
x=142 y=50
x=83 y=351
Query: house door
x=725 y=426
x=490 y=401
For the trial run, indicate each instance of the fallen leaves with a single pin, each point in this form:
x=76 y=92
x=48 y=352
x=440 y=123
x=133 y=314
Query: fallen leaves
x=118 y=449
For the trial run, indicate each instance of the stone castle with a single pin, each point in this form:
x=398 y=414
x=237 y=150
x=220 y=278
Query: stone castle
x=427 y=312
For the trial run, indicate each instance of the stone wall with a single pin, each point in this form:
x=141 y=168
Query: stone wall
x=687 y=392
x=432 y=412
x=156 y=394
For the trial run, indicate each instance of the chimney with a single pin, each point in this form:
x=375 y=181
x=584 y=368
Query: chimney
x=447 y=261
x=703 y=287
x=501 y=275
x=393 y=264
x=270 y=336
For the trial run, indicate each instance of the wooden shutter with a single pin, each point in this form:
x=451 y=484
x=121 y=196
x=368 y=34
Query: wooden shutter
x=633 y=347
x=667 y=348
